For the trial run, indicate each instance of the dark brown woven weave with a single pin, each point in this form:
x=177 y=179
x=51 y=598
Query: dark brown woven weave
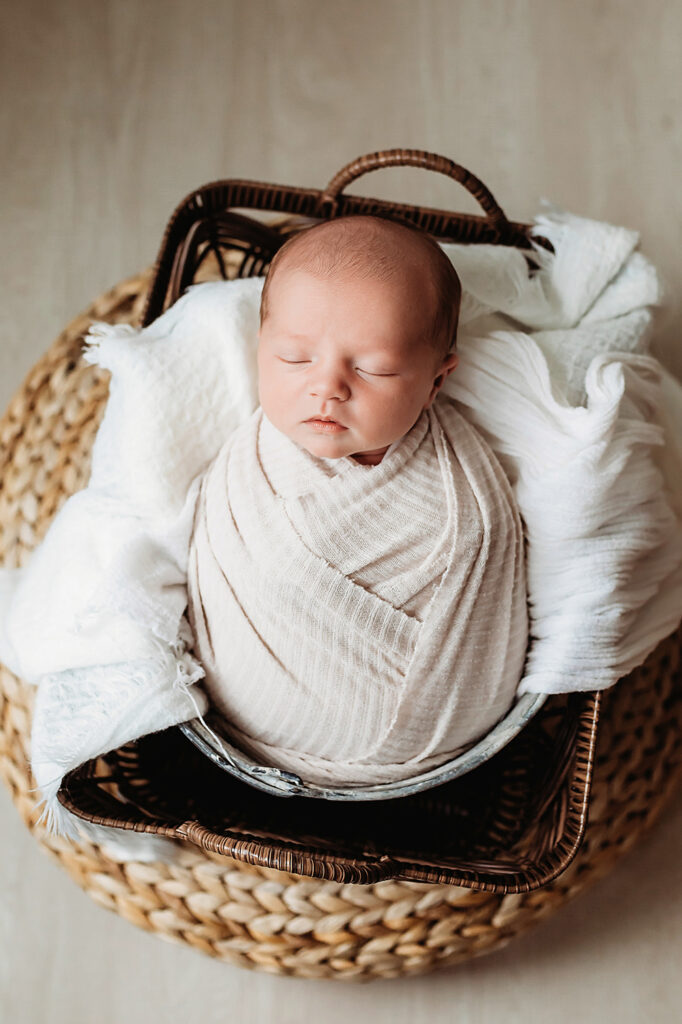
x=509 y=826
x=207 y=222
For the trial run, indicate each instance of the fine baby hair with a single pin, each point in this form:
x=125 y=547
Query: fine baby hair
x=374 y=245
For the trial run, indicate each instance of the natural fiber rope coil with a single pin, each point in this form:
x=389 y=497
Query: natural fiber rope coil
x=256 y=917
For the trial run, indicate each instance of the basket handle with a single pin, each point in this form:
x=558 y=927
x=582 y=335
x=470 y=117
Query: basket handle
x=330 y=197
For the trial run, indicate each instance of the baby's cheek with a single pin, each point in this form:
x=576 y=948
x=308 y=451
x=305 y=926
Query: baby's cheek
x=396 y=404
x=267 y=390
x=276 y=402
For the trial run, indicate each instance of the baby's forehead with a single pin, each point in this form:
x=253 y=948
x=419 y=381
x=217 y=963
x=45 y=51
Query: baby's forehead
x=392 y=263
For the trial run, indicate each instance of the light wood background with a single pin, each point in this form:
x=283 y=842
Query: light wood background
x=110 y=113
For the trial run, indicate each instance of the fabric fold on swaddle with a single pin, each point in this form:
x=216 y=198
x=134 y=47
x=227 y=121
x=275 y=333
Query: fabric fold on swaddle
x=358 y=624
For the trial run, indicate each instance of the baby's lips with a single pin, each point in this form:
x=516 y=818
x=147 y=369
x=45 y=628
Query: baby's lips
x=327 y=426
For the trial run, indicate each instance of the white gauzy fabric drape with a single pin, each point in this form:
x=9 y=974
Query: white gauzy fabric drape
x=553 y=372
x=359 y=624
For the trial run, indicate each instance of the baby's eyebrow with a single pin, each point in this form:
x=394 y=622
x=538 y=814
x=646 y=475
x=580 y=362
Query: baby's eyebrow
x=382 y=351
x=297 y=337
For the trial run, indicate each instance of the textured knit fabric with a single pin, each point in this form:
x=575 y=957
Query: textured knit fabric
x=359 y=624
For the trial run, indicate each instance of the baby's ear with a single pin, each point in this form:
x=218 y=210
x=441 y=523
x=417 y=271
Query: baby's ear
x=449 y=364
x=446 y=367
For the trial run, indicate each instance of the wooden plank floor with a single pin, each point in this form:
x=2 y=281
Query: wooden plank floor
x=110 y=114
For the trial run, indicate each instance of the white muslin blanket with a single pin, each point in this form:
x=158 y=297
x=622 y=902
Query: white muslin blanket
x=359 y=624
x=553 y=372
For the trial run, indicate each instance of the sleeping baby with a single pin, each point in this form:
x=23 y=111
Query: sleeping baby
x=356 y=573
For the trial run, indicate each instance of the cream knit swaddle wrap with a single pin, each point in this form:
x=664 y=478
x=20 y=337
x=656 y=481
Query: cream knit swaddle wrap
x=358 y=624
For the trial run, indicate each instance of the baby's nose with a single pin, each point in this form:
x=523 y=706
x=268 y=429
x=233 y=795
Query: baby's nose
x=329 y=383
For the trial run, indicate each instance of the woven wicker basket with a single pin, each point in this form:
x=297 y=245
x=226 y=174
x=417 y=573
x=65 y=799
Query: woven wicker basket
x=513 y=823
x=256 y=916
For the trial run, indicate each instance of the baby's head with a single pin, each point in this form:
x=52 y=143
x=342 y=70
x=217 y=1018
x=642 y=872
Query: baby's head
x=358 y=328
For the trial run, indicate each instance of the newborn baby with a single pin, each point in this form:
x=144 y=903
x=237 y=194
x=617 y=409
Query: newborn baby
x=356 y=573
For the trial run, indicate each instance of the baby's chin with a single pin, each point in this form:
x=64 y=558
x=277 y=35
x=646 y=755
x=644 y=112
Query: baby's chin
x=367 y=456
x=334 y=446
x=326 y=447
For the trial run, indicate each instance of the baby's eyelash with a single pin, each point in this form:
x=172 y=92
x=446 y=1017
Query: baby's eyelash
x=300 y=362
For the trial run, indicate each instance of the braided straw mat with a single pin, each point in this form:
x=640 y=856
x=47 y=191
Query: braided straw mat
x=259 y=917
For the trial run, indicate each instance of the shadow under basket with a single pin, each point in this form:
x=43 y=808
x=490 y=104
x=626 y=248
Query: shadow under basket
x=512 y=824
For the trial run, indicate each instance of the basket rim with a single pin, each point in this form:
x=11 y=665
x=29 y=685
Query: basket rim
x=287 y=783
x=216 y=198
x=81 y=795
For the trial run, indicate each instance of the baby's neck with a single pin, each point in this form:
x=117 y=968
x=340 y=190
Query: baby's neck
x=370 y=458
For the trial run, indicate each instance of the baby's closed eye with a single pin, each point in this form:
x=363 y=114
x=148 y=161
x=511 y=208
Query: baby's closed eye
x=375 y=373
x=358 y=369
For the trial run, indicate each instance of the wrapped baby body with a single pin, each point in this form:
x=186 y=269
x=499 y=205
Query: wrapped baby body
x=358 y=623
